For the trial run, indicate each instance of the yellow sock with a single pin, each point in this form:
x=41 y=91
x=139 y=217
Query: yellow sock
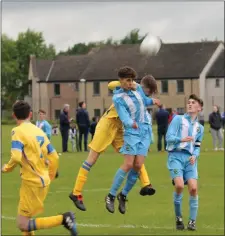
x=45 y=222
x=144 y=177
x=28 y=233
x=81 y=178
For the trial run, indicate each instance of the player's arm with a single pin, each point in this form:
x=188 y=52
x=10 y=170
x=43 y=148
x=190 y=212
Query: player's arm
x=48 y=130
x=197 y=144
x=171 y=135
x=122 y=112
x=52 y=157
x=17 y=147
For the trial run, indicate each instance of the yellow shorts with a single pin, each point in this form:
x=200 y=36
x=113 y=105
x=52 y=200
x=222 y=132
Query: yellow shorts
x=108 y=131
x=31 y=200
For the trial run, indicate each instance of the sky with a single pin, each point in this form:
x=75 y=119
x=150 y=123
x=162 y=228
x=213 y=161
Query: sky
x=66 y=23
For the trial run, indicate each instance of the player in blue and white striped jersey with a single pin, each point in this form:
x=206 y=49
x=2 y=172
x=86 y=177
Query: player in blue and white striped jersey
x=131 y=108
x=184 y=137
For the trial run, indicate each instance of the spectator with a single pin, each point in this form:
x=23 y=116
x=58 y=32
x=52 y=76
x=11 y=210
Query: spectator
x=215 y=122
x=172 y=115
x=93 y=126
x=201 y=117
x=162 y=118
x=55 y=129
x=83 y=123
x=43 y=124
x=73 y=136
x=65 y=126
x=223 y=120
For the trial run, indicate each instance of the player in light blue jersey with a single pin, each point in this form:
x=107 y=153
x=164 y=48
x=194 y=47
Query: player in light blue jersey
x=131 y=108
x=43 y=124
x=184 y=137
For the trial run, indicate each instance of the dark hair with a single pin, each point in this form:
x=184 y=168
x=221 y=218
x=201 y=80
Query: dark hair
x=81 y=104
x=196 y=98
x=42 y=111
x=201 y=102
x=127 y=72
x=149 y=82
x=21 y=110
x=94 y=119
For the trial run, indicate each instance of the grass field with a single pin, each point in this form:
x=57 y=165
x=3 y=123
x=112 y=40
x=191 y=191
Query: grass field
x=145 y=215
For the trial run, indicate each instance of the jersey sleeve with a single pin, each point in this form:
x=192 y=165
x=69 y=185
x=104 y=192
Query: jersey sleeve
x=197 y=145
x=122 y=112
x=51 y=155
x=171 y=135
x=17 y=147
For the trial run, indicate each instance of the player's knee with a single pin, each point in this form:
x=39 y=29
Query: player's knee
x=193 y=190
x=179 y=186
x=137 y=166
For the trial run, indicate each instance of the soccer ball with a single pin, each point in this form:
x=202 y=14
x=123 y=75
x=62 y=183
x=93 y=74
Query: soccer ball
x=151 y=45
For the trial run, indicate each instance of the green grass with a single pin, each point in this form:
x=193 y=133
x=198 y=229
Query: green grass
x=149 y=215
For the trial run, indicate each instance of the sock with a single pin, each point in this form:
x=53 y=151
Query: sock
x=144 y=178
x=81 y=178
x=131 y=180
x=118 y=180
x=193 y=204
x=28 y=233
x=45 y=222
x=177 y=200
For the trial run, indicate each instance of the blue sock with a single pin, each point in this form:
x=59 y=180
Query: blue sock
x=177 y=200
x=117 y=182
x=193 y=204
x=131 y=180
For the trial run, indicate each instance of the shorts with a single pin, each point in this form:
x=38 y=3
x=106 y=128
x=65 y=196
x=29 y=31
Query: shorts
x=31 y=200
x=108 y=131
x=137 y=143
x=179 y=166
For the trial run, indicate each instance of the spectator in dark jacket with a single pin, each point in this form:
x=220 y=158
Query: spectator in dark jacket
x=93 y=127
x=215 y=122
x=162 y=118
x=83 y=124
x=65 y=126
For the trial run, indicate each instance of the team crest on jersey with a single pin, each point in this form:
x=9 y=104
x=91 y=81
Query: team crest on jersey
x=175 y=171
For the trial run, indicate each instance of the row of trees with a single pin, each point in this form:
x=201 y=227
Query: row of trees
x=16 y=56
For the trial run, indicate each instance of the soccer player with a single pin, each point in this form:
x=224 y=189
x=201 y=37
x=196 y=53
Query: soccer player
x=109 y=130
x=31 y=150
x=43 y=124
x=184 y=137
x=131 y=108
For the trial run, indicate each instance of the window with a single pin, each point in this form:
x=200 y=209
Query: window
x=57 y=89
x=180 y=86
x=96 y=88
x=180 y=110
x=57 y=114
x=164 y=86
x=76 y=86
x=97 y=112
x=217 y=85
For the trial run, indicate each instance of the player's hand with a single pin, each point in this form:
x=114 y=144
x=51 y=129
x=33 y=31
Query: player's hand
x=3 y=168
x=156 y=102
x=187 y=139
x=134 y=86
x=134 y=126
x=192 y=160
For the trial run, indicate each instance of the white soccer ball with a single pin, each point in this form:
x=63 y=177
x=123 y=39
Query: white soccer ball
x=151 y=45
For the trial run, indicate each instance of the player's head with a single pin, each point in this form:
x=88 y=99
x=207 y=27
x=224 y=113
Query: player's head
x=126 y=76
x=194 y=104
x=215 y=108
x=82 y=105
x=42 y=114
x=149 y=85
x=21 y=110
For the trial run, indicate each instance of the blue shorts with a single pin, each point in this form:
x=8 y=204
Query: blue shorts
x=137 y=143
x=179 y=165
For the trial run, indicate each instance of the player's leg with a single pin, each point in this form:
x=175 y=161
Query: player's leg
x=175 y=166
x=159 y=146
x=118 y=180
x=220 y=139
x=130 y=182
x=85 y=139
x=104 y=134
x=191 y=175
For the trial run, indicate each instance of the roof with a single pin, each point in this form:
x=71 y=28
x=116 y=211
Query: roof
x=177 y=60
x=218 y=69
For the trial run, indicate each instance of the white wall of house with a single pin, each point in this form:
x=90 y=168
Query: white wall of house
x=214 y=95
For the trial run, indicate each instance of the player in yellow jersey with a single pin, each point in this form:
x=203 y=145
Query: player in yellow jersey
x=110 y=131
x=38 y=161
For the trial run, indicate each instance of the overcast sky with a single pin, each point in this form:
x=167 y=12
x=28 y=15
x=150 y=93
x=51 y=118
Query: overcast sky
x=65 y=24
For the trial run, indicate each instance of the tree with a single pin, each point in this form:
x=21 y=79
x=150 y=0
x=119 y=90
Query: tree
x=133 y=37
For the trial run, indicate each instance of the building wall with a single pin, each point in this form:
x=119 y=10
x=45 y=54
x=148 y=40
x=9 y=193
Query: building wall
x=214 y=95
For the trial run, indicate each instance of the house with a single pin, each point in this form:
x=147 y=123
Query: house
x=180 y=69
